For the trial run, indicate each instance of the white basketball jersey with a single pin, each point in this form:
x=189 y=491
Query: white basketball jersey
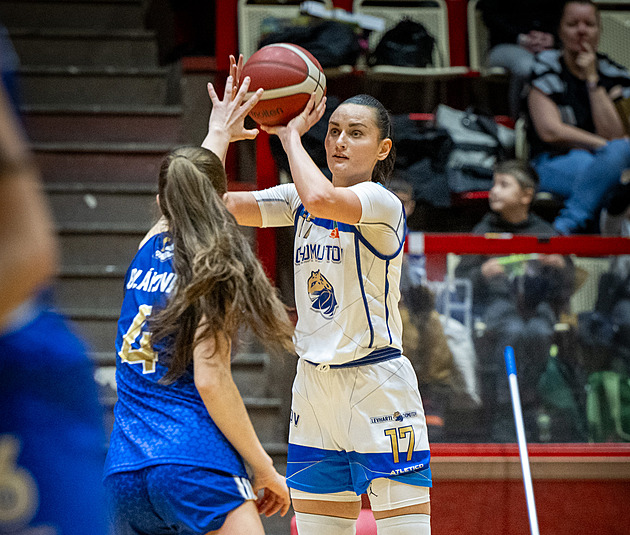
x=346 y=276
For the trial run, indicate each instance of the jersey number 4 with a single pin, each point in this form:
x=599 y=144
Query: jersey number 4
x=144 y=352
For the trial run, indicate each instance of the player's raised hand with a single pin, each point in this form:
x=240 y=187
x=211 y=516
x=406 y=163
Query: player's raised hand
x=310 y=115
x=228 y=114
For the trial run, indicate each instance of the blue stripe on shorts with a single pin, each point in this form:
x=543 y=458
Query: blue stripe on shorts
x=325 y=471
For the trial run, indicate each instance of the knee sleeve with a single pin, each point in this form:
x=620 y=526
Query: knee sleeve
x=415 y=524
x=308 y=524
x=346 y=496
x=386 y=494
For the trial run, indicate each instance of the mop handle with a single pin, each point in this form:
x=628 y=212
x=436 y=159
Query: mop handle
x=510 y=364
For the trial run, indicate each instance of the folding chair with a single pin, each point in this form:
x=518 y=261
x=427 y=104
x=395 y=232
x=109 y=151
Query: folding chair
x=479 y=43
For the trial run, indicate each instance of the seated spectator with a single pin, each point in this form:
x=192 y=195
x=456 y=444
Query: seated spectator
x=604 y=337
x=518 y=31
x=424 y=341
x=518 y=297
x=605 y=331
x=575 y=133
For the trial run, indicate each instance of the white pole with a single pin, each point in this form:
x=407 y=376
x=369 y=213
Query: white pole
x=510 y=364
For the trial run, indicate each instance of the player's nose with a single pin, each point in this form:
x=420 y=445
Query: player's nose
x=342 y=139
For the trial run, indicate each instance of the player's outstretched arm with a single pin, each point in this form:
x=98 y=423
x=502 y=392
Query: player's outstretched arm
x=317 y=193
x=226 y=124
x=213 y=379
x=306 y=174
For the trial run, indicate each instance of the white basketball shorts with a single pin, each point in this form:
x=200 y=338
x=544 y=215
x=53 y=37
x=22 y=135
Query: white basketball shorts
x=350 y=425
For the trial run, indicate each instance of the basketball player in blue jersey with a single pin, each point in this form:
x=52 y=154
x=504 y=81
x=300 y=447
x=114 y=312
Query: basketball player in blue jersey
x=51 y=423
x=182 y=436
x=357 y=420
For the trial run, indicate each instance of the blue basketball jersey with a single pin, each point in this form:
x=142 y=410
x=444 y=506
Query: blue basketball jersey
x=156 y=423
x=52 y=439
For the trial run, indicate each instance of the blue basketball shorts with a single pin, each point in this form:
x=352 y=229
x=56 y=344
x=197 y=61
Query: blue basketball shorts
x=173 y=499
x=350 y=425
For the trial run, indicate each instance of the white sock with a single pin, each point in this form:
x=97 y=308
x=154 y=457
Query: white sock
x=416 y=524
x=308 y=524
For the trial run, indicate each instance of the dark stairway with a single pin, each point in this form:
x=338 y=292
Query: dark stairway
x=101 y=113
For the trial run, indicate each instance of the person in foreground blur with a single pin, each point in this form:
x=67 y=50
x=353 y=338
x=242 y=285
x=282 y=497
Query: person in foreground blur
x=51 y=423
x=518 y=297
x=576 y=135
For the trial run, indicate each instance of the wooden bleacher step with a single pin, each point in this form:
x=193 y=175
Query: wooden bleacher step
x=100 y=162
x=85 y=47
x=132 y=203
x=95 y=85
x=80 y=287
x=112 y=14
x=55 y=123
x=99 y=244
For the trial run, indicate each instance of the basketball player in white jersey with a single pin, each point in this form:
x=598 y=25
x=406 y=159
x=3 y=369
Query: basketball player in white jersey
x=357 y=421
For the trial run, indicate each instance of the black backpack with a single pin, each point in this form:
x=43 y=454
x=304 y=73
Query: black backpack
x=333 y=43
x=408 y=44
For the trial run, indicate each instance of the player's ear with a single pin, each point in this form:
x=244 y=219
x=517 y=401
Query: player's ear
x=384 y=148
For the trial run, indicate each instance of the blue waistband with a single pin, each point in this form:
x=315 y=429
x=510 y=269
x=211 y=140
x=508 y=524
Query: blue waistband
x=378 y=355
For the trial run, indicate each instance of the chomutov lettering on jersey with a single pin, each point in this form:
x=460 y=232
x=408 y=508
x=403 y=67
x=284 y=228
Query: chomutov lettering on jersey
x=151 y=281
x=295 y=418
x=318 y=252
x=407 y=469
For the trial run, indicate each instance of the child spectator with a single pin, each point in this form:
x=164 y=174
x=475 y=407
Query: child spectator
x=518 y=297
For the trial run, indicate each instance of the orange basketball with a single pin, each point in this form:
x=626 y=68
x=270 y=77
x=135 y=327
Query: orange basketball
x=289 y=74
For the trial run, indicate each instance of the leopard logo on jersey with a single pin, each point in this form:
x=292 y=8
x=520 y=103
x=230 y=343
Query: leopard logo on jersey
x=322 y=294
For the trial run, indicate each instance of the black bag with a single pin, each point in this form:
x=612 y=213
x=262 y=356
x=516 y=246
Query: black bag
x=408 y=44
x=333 y=43
x=479 y=143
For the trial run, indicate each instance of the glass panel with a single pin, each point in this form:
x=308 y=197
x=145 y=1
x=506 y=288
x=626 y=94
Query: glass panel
x=567 y=316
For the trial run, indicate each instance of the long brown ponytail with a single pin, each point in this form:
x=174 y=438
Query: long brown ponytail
x=218 y=275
